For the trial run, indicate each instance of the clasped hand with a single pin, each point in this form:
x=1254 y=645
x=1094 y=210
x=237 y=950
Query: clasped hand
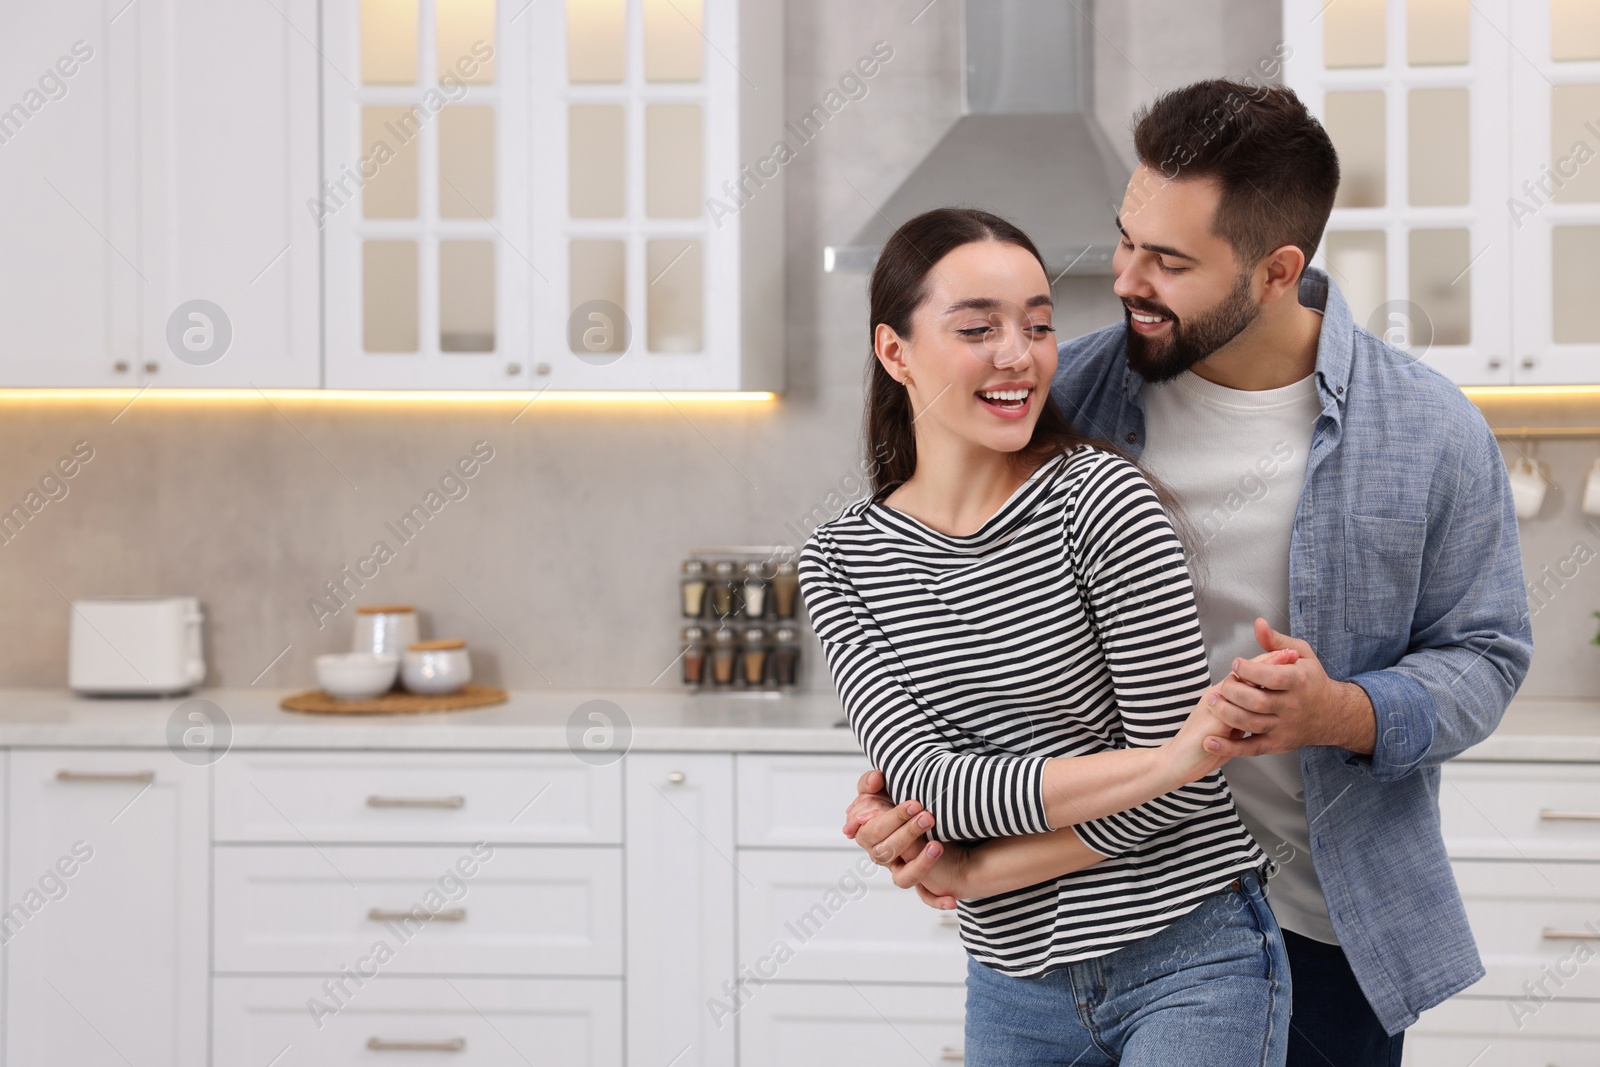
x=896 y=836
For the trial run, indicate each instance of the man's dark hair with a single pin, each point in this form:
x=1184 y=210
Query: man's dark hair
x=1275 y=163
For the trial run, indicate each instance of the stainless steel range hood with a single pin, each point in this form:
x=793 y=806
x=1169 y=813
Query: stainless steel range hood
x=1026 y=146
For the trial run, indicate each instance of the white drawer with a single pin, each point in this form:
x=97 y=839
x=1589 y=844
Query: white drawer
x=797 y=801
x=418 y=797
x=885 y=1026
x=840 y=924
x=462 y=1022
x=1521 y=810
x=1481 y=1032
x=523 y=910
x=1520 y=910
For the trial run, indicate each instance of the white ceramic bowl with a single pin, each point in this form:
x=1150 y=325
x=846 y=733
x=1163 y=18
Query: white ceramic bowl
x=435 y=671
x=356 y=675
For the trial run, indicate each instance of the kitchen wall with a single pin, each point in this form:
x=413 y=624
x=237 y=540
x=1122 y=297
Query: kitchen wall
x=558 y=565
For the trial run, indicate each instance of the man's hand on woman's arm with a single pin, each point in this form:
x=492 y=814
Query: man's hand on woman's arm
x=895 y=836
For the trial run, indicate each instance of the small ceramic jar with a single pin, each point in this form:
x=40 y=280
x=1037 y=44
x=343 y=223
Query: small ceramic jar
x=436 y=667
x=385 y=629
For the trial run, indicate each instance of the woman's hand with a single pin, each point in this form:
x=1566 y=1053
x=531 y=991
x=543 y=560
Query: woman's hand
x=1191 y=753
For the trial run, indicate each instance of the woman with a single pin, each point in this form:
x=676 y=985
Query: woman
x=1010 y=624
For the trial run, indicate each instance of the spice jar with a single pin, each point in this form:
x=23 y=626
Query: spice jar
x=785 y=584
x=755 y=589
x=722 y=588
x=724 y=650
x=786 y=656
x=694 y=655
x=694 y=588
x=755 y=655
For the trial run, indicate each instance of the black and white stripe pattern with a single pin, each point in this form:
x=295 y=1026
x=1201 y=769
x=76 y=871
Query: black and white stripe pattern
x=1065 y=625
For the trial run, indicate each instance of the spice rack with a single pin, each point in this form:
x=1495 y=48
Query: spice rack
x=742 y=619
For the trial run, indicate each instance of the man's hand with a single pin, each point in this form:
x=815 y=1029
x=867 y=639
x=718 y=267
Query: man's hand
x=884 y=830
x=1288 y=706
x=895 y=836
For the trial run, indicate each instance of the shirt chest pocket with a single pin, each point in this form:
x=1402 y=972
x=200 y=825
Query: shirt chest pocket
x=1382 y=573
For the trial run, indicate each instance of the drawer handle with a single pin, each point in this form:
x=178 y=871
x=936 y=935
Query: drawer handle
x=677 y=777
x=380 y=1044
x=1569 y=816
x=376 y=801
x=1556 y=934
x=106 y=776
x=952 y=1055
x=949 y=918
x=386 y=915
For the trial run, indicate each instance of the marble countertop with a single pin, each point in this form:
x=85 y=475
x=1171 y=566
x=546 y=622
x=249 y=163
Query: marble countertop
x=1566 y=731
x=543 y=719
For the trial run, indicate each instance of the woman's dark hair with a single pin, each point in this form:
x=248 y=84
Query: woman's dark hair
x=899 y=286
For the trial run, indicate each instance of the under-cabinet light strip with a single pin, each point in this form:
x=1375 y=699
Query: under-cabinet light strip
x=395 y=396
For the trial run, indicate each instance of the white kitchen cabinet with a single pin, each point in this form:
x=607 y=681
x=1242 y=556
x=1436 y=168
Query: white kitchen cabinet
x=1554 y=195
x=480 y=909
x=72 y=273
x=526 y=196
x=1524 y=842
x=884 y=1025
x=681 y=881
x=1467 y=229
x=417 y=798
x=170 y=160
x=844 y=920
x=1484 y=1033
x=108 y=908
x=228 y=154
x=1417 y=100
x=463 y=1022
x=795 y=801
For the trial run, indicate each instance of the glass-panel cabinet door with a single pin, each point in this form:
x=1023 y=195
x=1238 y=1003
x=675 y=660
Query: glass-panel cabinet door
x=1554 y=198
x=638 y=106
x=431 y=278
x=1414 y=95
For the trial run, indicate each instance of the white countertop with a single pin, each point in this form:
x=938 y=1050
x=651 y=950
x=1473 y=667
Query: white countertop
x=659 y=720
x=1566 y=731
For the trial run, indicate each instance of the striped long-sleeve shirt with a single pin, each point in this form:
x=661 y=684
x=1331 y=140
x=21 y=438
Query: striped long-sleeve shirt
x=1065 y=625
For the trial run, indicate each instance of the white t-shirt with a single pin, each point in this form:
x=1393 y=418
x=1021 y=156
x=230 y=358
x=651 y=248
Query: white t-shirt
x=1236 y=460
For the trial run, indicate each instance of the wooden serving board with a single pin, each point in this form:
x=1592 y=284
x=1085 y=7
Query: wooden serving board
x=315 y=701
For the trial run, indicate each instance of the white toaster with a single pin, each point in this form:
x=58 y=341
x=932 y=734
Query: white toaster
x=134 y=645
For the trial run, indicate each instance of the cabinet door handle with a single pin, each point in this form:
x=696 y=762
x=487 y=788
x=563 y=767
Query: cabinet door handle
x=952 y=1055
x=949 y=918
x=106 y=776
x=376 y=801
x=385 y=915
x=1556 y=934
x=381 y=1044
x=677 y=777
x=1548 y=815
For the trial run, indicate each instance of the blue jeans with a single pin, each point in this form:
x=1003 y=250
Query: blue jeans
x=1211 y=989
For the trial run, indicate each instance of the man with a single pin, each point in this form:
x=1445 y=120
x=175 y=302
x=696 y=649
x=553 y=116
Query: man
x=1335 y=490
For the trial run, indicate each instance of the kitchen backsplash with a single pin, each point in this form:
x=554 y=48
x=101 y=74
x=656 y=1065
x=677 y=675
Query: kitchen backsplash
x=557 y=556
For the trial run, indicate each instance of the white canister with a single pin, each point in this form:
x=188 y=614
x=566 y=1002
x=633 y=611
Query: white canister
x=386 y=629
x=436 y=667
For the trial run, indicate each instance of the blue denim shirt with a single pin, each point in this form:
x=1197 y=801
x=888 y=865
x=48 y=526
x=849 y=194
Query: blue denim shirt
x=1405 y=576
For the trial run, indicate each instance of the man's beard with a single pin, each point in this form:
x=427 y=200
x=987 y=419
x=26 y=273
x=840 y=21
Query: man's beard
x=1188 y=342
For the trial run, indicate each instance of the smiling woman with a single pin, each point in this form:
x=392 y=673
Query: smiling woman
x=1012 y=629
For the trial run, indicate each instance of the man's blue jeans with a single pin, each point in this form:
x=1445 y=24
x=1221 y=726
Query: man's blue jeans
x=1212 y=988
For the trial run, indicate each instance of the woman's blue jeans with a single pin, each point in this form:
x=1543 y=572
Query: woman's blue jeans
x=1212 y=989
